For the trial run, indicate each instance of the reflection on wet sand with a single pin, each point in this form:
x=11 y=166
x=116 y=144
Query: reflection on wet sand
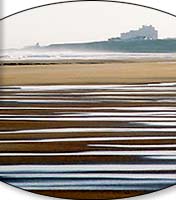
x=82 y=139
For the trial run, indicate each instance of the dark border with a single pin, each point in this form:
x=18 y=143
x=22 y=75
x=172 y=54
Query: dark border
x=76 y=1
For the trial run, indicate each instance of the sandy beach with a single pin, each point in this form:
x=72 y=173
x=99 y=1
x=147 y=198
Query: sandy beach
x=88 y=101
x=88 y=72
x=88 y=129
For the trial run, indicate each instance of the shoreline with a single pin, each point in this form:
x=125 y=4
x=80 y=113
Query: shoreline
x=83 y=61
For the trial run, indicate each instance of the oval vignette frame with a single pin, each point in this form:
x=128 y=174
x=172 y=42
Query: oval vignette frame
x=77 y=1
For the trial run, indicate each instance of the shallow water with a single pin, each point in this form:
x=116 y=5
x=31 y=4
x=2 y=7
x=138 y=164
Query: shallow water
x=103 y=137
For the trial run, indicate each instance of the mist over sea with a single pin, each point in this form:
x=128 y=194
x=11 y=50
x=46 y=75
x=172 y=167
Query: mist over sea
x=10 y=55
x=162 y=49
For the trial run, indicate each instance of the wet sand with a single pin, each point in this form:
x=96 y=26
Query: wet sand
x=91 y=194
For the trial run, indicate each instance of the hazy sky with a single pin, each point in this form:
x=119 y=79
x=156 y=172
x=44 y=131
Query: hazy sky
x=10 y=6
x=83 y=21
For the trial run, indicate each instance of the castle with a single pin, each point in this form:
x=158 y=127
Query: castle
x=143 y=33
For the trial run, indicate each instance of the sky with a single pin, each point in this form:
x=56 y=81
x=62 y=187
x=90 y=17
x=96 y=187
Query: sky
x=10 y=6
x=81 y=22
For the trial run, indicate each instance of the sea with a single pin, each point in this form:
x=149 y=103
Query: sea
x=19 y=55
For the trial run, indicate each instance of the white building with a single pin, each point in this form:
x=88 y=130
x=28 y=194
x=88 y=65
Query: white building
x=144 y=33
